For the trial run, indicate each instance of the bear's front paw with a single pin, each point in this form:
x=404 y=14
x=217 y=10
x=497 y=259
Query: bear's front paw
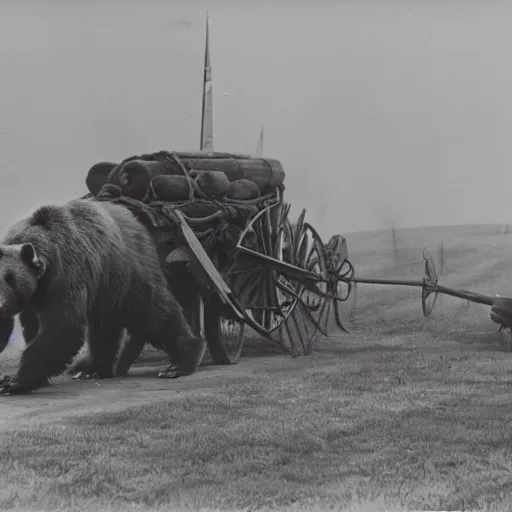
x=171 y=372
x=5 y=381
x=12 y=387
x=84 y=375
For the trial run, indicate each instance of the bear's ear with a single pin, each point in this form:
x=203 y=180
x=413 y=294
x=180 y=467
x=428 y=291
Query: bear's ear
x=30 y=257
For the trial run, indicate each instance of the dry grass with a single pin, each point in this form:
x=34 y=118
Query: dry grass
x=405 y=413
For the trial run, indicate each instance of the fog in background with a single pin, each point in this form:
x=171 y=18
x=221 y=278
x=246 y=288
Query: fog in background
x=378 y=110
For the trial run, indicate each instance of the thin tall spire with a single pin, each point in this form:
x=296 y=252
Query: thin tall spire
x=207 y=107
x=259 y=146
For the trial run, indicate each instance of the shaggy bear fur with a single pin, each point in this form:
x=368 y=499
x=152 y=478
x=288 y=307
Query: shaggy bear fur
x=91 y=265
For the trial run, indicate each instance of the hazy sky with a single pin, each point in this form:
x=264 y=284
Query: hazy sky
x=378 y=110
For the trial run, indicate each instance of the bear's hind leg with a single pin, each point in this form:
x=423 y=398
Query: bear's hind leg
x=84 y=364
x=104 y=338
x=130 y=352
x=168 y=329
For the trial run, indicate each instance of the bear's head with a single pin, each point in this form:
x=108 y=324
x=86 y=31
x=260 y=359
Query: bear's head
x=20 y=272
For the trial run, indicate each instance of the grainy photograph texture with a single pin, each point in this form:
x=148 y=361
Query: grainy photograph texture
x=255 y=255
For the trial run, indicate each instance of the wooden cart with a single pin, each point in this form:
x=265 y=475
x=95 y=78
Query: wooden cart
x=275 y=277
x=245 y=264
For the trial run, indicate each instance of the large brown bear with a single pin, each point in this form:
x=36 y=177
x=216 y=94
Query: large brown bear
x=87 y=264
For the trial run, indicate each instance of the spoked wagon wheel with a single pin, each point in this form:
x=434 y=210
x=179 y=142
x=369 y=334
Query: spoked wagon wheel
x=429 y=293
x=254 y=279
x=284 y=309
x=310 y=313
x=224 y=335
x=342 y=271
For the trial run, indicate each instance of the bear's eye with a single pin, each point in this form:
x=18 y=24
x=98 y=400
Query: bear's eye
x=10 y=279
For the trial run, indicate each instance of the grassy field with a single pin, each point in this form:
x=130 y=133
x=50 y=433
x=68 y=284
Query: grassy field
x=405 y=413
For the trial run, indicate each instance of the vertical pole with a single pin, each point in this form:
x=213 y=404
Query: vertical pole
x=259 y=146
x=206 y=142
x=441 y=258
x=395 y=245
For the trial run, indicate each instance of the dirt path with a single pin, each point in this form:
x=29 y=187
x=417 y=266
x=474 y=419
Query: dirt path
x=67 y=397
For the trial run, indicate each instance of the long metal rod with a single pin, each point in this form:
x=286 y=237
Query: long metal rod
x=478 y=298
x=413 y=282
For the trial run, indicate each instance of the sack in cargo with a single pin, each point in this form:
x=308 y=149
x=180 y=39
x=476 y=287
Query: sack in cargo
x=243 y=190
x=214 y=184
x=97 y=176
x=134 y=176
x=170 y=188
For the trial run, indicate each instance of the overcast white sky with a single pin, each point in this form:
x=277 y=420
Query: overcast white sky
x=378 y=110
